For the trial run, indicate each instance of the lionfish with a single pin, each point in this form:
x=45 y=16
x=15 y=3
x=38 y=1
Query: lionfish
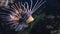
x=19 y=14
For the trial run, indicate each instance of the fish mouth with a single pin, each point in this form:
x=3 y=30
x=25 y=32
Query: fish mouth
x=30 y=19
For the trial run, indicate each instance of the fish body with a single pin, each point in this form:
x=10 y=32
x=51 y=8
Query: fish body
x=18 y=15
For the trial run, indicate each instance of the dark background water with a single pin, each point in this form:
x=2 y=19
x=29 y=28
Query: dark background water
x=52 y=7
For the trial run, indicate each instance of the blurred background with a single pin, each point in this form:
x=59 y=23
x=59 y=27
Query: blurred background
x=47 y=19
